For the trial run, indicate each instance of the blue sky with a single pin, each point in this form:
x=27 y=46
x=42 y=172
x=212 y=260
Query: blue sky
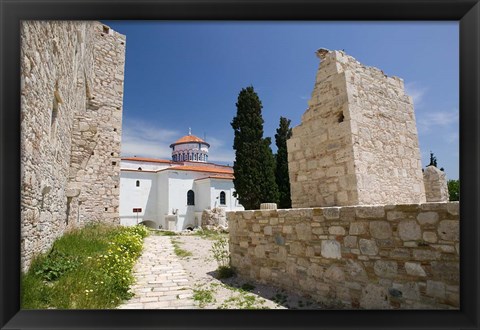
x=188 y=74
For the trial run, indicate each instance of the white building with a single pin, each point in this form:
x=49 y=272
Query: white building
x=172 y=194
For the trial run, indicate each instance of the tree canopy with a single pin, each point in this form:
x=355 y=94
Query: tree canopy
x=254 y=165
x=284 y=132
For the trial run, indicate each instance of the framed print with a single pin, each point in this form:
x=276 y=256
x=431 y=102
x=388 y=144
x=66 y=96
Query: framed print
x=354 y=223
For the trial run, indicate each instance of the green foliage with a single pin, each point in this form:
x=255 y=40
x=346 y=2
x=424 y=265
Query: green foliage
x=203 y=297
x=178 y=250
x=254 y=166
x=55 y=265
x=225 y=272
x=210 y=234
x=220 y=252
x=222 y=256
x=86 y=268
x=284 y=132
x=453 y=190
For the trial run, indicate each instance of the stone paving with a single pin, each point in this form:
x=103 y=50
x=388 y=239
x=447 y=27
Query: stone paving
x=161 y=281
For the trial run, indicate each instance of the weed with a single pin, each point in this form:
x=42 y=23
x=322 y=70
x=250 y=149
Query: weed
x=279 y=298
x=210 y=234
x=178 y=250
x=164 y=233
x=220 y=252
x=225 y=272
x=203 y=297
x=86 y=268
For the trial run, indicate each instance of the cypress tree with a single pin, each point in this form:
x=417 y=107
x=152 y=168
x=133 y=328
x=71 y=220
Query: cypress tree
x=254 y=165
x=284 y=132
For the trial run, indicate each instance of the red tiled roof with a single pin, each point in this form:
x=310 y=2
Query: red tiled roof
x=227 y=177
x=208 y=169
x=150 y=160
x=189 y=139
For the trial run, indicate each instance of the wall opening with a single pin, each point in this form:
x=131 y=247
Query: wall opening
x=190 y=197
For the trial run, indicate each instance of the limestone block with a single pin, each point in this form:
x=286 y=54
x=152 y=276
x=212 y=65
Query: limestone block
x=430 y=236
x=372 y=212
x=358 y=228
x=427 y=218
x=350 y=241
x=449 y=230
x=409 y=230
x=415 y=269
x=380 y=229
x=331 y=249
x=304 y=231
x=336 y=230
x=368 y=247
x=374 y=297
x=385 y=268
x=335 y=274
x=436 y=289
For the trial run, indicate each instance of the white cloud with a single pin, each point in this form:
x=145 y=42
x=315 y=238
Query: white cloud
x=440 y=119
x=416 y=92
x=142 y=139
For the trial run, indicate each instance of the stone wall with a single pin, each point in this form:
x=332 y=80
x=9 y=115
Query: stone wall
x=357 y=143
x=71 y=109
x=372 y=257
x=436 y=188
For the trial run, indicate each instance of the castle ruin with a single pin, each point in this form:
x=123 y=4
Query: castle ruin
x=357 y=143
x=72 y=77
x=361 y=234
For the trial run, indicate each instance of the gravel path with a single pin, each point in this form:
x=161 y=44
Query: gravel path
x=161 y=281
x=180 y=272
x=232 y=293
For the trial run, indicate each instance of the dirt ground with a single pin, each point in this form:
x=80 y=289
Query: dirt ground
x=230 y=293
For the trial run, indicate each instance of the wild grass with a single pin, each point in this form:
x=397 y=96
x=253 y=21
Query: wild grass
x=178 y=250
x=89 y=268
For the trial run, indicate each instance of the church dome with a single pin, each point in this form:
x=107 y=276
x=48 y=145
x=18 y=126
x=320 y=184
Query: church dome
x=189 y=139
x=190 y=148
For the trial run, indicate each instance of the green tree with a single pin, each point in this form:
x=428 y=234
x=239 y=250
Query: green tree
x=433 y=160
x=254 y=165
x=453 y=190
x=284 y=132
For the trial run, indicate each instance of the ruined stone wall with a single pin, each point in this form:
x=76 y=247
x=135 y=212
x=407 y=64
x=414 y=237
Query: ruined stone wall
x=71 y=107
x=373 y=257
x=357 y=143
x=436 y=188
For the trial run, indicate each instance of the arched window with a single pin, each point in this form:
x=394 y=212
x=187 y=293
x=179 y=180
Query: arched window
x=222 y=198
x=184 y=157
x=139 y=168
x=190 y=197
x=137 y=183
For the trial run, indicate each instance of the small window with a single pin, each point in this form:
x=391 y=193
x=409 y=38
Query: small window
x=190 y=197
x=139 y=168
x=137 y=183
x=222 y=198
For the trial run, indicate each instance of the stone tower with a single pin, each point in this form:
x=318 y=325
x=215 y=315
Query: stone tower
x=72 y=77
x=357 y=143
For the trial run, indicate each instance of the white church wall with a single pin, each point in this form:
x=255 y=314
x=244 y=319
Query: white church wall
x=144 y=196
x=204 y=196
x=146 y=166
x=219 y=185
x=163 y=199
x=179 y=183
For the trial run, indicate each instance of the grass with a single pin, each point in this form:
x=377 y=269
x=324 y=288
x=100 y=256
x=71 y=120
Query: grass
x=163 y=233
x=178 y=250
x=89 y=268
x=210 y=234
x=203 y=297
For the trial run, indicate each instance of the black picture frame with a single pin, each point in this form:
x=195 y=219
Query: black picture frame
x=467 y=12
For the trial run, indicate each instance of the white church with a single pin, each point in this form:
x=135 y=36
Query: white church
x=172 y=194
